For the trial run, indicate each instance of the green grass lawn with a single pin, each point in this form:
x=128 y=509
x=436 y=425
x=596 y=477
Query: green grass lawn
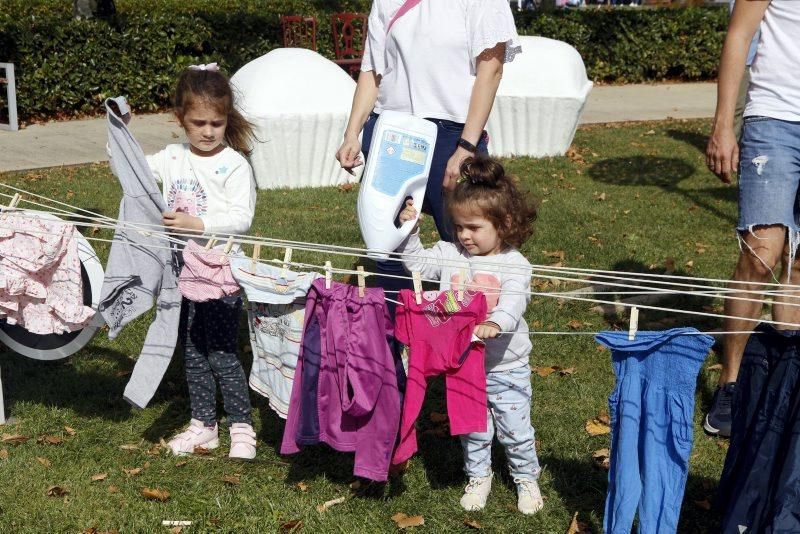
x=638 y=196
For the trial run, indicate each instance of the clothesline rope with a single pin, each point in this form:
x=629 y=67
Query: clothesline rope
x=360 y=252
x=556 y=295
x=530 y=293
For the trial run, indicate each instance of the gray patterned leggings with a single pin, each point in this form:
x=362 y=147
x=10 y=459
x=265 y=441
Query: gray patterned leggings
x=209 y=333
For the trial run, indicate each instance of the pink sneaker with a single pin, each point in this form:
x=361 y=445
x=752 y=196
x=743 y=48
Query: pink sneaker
x=243 y=442
x=196 y=435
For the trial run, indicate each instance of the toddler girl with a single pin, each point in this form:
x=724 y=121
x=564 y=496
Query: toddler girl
x=209 y=189
x=491 y=220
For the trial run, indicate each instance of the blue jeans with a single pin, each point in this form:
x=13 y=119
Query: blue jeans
x=651 y=411
x=446 y=138
x=769 y=173
x=509 y=409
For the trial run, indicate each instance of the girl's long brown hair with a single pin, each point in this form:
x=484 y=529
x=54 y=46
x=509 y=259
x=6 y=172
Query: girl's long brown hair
x=485 y=188
x=215 y=88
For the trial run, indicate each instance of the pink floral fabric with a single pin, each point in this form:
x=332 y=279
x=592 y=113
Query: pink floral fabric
x=206 y=274
x=41 y=288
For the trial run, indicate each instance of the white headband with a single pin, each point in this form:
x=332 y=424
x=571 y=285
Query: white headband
x=211 y=67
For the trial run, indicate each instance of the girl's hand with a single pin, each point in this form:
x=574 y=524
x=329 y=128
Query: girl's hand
x=348 y=154
x=487 y=330
x=183 y=221
x=409 y=214
x=453 y=171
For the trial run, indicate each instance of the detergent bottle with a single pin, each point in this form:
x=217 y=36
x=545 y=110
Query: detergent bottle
x=400 y=157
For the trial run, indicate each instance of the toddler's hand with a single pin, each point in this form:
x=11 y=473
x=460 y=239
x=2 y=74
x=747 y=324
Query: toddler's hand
x=487 y=330
x=409 y=214
x=182 y=221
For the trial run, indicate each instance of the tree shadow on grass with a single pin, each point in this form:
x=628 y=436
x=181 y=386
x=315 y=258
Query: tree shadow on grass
x=695 y=139
x=59 y=383
x=666 y=173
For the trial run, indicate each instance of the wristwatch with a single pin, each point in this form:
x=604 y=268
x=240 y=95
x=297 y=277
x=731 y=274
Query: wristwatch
x=466 y=145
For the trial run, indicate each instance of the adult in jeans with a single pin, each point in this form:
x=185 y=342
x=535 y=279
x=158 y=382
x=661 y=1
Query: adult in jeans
x=441 y=61
x=769 y=174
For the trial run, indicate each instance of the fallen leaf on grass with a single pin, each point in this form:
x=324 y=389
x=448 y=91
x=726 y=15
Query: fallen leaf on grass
x=473 y=524
x=202 y=451
x=600 y=197
x=700 y=248
x=650 y=132
x=176 y=530
x=99 y=476
x=181 y=463
x=704 y=504
x=689 y=264
x=577 y=527
x=155 y=494
x=599 y=425
x=404 y=521
x=569 y=371
x=44 y=461
x=544 y=372
x=302 y=486
x=437 y=417
x=3 y=454
x=555 y=254
x=715 y=367
x=14 y=439
x=292 y=526
x=575 y=156
x=346 y=188
x=154 y=450
x=56 y=491
x=233 y=480
x=601 y=458
x=49 y=440
x=324 y=507
x=69 y=430
x=131 y=447
x=132 y=472
x=113 y=489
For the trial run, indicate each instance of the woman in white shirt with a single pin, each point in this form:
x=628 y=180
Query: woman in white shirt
x=441 y=60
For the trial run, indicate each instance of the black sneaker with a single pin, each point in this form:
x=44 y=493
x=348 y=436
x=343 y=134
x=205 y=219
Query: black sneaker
x=718 y=420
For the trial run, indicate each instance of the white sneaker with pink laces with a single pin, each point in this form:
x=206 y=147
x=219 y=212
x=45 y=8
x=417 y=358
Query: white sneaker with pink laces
x=196 y=435
x=243 y=442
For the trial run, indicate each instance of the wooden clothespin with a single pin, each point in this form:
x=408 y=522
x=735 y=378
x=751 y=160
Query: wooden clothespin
x=12 y=204
x=415 y=276
x=361 y=281
x=211 y=242
x=462 y=280
x=229 y=245
x=256 y=254
x=634 y=323
x=287 y=259
x=328 y=274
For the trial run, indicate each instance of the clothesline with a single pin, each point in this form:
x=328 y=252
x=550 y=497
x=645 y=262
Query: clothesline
x=717 y=293
x=364 y=253
x=530 y=293
x=555 y=295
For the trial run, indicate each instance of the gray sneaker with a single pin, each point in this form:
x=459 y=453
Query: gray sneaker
x=718 y=420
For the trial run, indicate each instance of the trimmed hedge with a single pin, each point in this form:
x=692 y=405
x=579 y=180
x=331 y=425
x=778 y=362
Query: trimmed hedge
x=66 y=67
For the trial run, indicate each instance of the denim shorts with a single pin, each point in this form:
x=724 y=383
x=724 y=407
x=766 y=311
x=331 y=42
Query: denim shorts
x=769 y=173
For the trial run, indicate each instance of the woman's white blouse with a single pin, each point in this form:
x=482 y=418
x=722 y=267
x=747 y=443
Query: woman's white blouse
x=427 y=59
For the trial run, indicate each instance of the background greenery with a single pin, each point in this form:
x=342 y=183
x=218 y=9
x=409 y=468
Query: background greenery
x=66 y=67
x=633 y=198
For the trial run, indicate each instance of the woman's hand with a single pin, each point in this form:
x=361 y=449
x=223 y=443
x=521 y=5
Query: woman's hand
x=487 y=330
x=453 y=171
x=182 y=221
x=348 y=154
x=722 y=153
x=409 y=213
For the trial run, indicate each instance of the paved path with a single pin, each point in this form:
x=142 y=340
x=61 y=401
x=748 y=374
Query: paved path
x=74 y=142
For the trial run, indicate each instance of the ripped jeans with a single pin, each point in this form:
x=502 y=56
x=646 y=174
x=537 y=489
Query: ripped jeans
x=769 y=176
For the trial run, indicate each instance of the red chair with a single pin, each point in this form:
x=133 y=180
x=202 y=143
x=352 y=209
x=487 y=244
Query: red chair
x=349 y=36
x=299 y=31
